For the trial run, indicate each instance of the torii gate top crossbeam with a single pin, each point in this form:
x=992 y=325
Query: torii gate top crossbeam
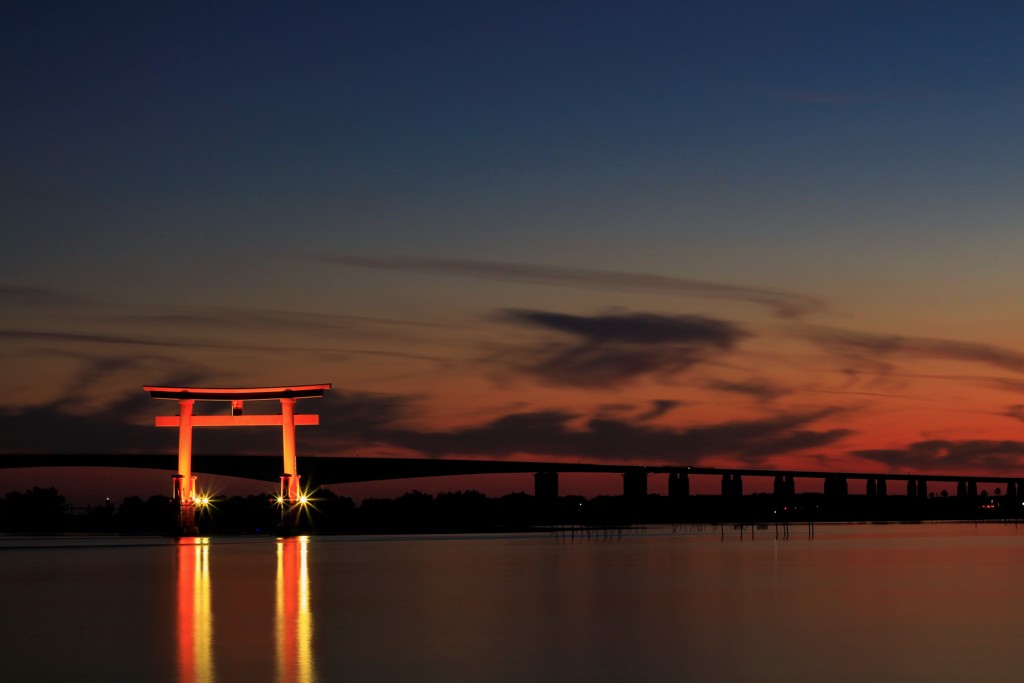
x=242 y=394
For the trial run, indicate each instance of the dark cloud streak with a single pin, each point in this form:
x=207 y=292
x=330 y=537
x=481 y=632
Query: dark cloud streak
x=551 y=433
x=610 y=350
x=951 y=456
x=36 y=296
x=352 y=421
x=77 y=338
x=784 y=304
x=871 y=347
x=760 y=390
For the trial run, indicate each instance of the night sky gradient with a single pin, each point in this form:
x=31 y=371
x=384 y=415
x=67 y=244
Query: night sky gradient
x=719 y=233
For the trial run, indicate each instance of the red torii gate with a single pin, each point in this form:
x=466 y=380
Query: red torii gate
x=184 y=481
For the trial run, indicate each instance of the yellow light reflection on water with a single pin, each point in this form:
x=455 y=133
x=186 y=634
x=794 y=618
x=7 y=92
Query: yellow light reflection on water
x=294 y=620
x=195 y=616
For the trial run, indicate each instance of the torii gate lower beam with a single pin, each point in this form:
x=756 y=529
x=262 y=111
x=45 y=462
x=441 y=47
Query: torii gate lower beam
x=184 y=481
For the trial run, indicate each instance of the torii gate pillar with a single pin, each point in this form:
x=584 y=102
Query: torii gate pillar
x=184 y=481
x=288 y=448
x=184 y=489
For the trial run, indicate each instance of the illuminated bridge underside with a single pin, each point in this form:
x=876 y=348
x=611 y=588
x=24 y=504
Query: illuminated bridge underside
x=328 y=470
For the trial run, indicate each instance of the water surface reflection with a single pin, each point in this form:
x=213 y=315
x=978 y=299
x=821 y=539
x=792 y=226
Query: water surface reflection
x=858 y=603
x=293 y=618
x=292 y=626
x=195 y=616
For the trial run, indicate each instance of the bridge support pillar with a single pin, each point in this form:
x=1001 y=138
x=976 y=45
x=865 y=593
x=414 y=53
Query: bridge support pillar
x=836 y=486
x=783 y=487
x=678 y=486
x=634 y=483
x=972 y=489
x=732 y=485
x=545 y=485
x=922 y=489
x=961 y=489
x=911 y=488
x=881 y=488
x=872 y=488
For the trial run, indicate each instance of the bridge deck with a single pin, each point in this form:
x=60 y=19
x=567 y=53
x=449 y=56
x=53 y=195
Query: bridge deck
x=341 y=470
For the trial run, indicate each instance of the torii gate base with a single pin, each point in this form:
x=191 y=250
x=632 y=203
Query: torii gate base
x=290 y=497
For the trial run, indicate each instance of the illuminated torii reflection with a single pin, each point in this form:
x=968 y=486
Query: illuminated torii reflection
x=294 y=618
x=195 y=616
x=184 y=481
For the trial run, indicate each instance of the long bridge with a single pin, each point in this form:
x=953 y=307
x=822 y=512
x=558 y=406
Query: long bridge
x=338 y=470
x=344 y=470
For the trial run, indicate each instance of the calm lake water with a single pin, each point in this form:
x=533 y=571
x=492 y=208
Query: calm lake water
x=931 y=602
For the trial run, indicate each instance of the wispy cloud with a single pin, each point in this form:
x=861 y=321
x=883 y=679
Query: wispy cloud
x=951 y=456
x=759 y=389
x=35 y=296
x=869 y=349
x=658 y=408
x=208 y=317
x=549 y=433
x=784 y=304
x=78 y=337
x=379 y=421
x=371 y=422
x=119 y=340
x=610 y=350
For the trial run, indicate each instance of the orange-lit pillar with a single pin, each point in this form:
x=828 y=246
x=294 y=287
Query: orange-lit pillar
x=288 y=438
x=185 y=482
x=185 y=447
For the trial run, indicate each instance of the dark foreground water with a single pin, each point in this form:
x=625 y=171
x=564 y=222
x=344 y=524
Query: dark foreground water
x=858 y=603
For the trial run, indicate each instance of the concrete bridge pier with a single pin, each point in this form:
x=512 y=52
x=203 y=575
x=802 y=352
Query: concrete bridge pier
x=634 y=483
x=545 y=485
x=732 y=485
x=678 y=486
x=922 y=489
x=881 y=487
x=871 y=490
x=836 y=486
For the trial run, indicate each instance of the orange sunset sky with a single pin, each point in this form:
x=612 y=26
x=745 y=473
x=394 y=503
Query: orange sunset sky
x=733 y=234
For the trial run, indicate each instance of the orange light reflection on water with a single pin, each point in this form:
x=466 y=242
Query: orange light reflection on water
x=294 y=620
x=195 y=617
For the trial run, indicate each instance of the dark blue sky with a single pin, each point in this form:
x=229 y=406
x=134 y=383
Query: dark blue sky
x=453 y=209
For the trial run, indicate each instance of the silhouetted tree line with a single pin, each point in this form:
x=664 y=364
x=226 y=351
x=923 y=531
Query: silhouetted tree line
x=42 y=510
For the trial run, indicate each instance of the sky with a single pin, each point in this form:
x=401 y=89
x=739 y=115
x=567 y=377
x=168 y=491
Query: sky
x=735 y=234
